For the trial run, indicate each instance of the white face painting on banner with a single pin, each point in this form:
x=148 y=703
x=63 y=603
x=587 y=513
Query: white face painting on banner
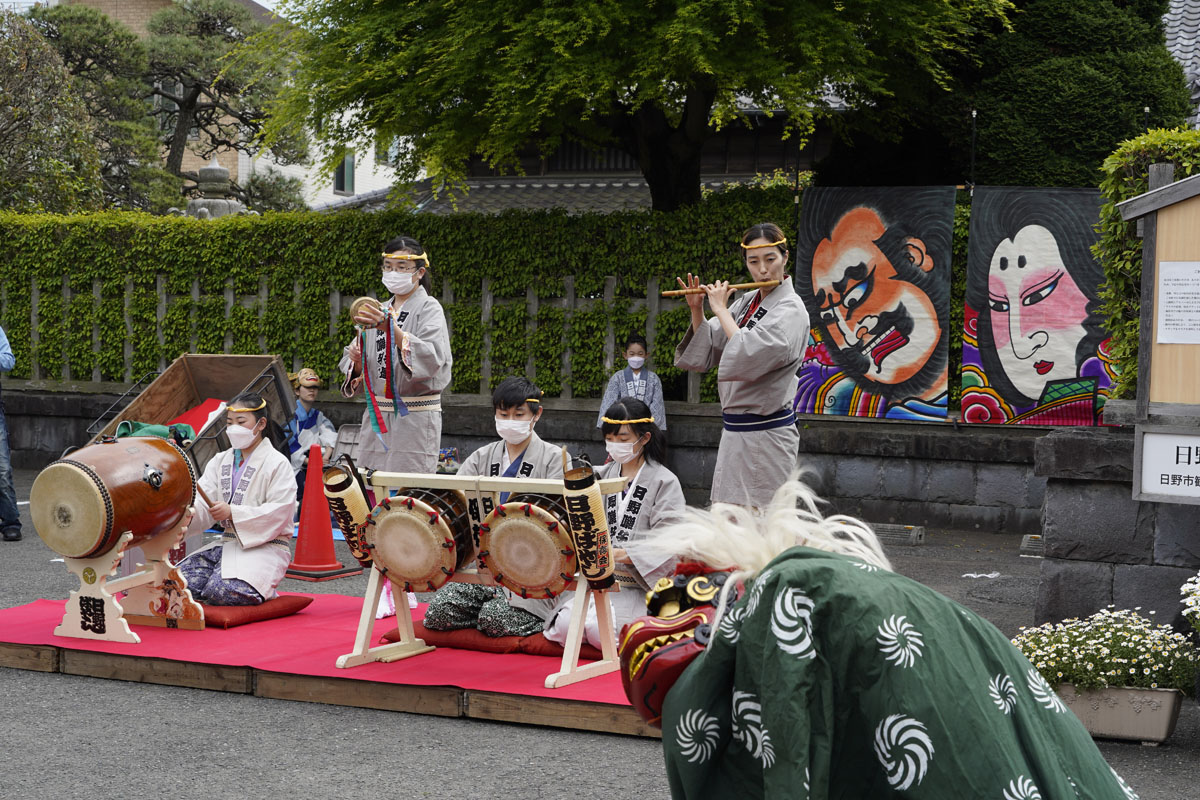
x=1037 y=311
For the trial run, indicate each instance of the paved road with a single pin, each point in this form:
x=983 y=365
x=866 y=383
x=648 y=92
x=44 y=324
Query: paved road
x=66 y=736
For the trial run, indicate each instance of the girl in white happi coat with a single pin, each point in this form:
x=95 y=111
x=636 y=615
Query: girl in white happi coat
x=253 y=492
x=757 y=344
x=652 y=497
x=401 y=361
x=520 y=453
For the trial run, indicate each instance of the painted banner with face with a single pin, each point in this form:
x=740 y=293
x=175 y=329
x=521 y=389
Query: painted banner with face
x=873 y=268
x=1034 y=347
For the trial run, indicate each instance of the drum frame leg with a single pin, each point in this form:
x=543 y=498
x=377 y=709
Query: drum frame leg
x=103 y=618
x=144 y=588
x=570 y=671
x=406 y=647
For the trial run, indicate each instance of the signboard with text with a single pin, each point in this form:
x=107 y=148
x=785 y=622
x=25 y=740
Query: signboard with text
x=1166 y=464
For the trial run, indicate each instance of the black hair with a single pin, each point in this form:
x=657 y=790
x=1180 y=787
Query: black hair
x=515 y=391
x=632 y=408
x=901 y=211
x=1070 y=215
x=763 y=230
x=636 y=338
x=272 y=432
x=408 y=244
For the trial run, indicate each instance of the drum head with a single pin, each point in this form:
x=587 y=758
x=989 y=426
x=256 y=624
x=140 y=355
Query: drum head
x=411 y=543
x=527 y=549
x=71 y=511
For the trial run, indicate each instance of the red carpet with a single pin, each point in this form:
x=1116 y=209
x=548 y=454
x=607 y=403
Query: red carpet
x=308 y=643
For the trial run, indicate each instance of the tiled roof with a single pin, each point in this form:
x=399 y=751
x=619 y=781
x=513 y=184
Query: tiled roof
x=573 y=193
x=1181 y=24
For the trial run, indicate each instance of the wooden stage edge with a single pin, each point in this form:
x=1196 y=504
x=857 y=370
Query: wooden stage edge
x=441 y=701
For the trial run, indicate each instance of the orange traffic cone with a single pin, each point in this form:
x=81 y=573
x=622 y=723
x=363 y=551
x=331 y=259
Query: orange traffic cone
x=314 y=559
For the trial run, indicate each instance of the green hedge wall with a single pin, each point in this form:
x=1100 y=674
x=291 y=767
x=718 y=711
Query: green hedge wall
x=1119 y=249
x=122 y=294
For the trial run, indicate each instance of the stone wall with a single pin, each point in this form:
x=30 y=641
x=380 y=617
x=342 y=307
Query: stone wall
x=940 y=476
x=1102 y=546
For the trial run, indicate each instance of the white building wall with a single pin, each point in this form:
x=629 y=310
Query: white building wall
x=319 y=188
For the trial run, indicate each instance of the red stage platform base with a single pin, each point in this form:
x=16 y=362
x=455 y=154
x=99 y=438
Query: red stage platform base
x=292 y=658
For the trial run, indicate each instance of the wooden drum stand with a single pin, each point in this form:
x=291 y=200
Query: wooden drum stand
x=157 y=591
x=475 y=488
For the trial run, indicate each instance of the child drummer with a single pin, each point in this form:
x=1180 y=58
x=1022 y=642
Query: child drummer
x=308 y=426
x=253 y=493
x=520 y=452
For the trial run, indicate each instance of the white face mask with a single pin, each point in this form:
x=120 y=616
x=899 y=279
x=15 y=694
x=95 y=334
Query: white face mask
x=514 y=431
x=636 y=361
x=240 y=437
x=621 y=452
x=400 y=283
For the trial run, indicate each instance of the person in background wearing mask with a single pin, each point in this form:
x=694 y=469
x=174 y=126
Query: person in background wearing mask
x=520 y=453
x=637 y=382
x=652 y=497
x=253 y=492
x=308 y=426
x=401 y=360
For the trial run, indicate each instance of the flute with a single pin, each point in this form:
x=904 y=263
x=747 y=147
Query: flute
x=700 y=289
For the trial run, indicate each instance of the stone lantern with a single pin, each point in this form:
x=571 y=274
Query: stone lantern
x=215 y=198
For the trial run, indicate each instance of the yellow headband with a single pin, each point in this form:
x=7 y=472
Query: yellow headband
x=262 y=404
x=408 y=257
x=533 y=399
x=772 y=244
x=626 y=421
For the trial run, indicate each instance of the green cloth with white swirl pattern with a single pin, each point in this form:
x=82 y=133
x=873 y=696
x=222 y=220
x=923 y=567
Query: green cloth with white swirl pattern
x=833 y=679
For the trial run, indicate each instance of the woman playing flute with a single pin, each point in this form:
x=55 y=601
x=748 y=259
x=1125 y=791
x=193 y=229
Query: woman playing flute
x=757 y=345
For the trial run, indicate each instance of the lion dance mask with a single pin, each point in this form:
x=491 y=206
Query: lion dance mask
x=655 y=649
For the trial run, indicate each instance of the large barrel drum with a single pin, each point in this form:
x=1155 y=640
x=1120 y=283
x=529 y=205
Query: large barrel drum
x=82 y=504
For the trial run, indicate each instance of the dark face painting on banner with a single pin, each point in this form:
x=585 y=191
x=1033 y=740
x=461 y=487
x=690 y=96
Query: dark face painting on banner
x=873 y=268
x=1034 y=349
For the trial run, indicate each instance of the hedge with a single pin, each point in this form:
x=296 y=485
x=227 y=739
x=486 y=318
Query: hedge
x=121 y=294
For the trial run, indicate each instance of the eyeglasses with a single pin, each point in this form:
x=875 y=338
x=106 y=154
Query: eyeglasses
x=399 y=268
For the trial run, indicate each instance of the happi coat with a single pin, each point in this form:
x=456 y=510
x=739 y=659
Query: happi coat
x=257 y=547
x=420 y=363
x=540 y=460
x=305 y=429
x=756 y=375
x=652 y=498
x=644 y=386
x=831 y=678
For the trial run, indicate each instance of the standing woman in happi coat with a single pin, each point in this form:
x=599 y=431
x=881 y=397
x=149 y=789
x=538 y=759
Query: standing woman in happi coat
x=401 y=361
x=757 y=344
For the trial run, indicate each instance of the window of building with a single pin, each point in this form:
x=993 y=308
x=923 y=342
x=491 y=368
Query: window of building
x=343 y=176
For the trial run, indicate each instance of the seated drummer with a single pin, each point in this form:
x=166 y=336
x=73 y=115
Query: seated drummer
x=253 y=492
x=652 y=498
x=520 y=452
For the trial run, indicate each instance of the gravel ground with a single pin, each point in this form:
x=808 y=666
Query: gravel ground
x=66 y=734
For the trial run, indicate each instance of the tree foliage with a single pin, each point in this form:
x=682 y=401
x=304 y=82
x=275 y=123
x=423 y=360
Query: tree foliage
x=108 y=68
x=458 y=78
x=1054 y=97
x=205 y=98
x=270 y=190
x=47 y=159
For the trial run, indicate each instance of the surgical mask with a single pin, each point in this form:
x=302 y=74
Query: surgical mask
x=636 y=361
x=400 y=283
x=514 y=431
x=239 y=437
x=621 y=452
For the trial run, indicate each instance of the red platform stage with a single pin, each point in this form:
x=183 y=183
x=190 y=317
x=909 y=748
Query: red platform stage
x=293 y=658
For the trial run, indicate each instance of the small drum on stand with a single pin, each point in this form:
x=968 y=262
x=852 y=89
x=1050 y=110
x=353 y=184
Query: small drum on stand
x=420 y=538
x=526 y=545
